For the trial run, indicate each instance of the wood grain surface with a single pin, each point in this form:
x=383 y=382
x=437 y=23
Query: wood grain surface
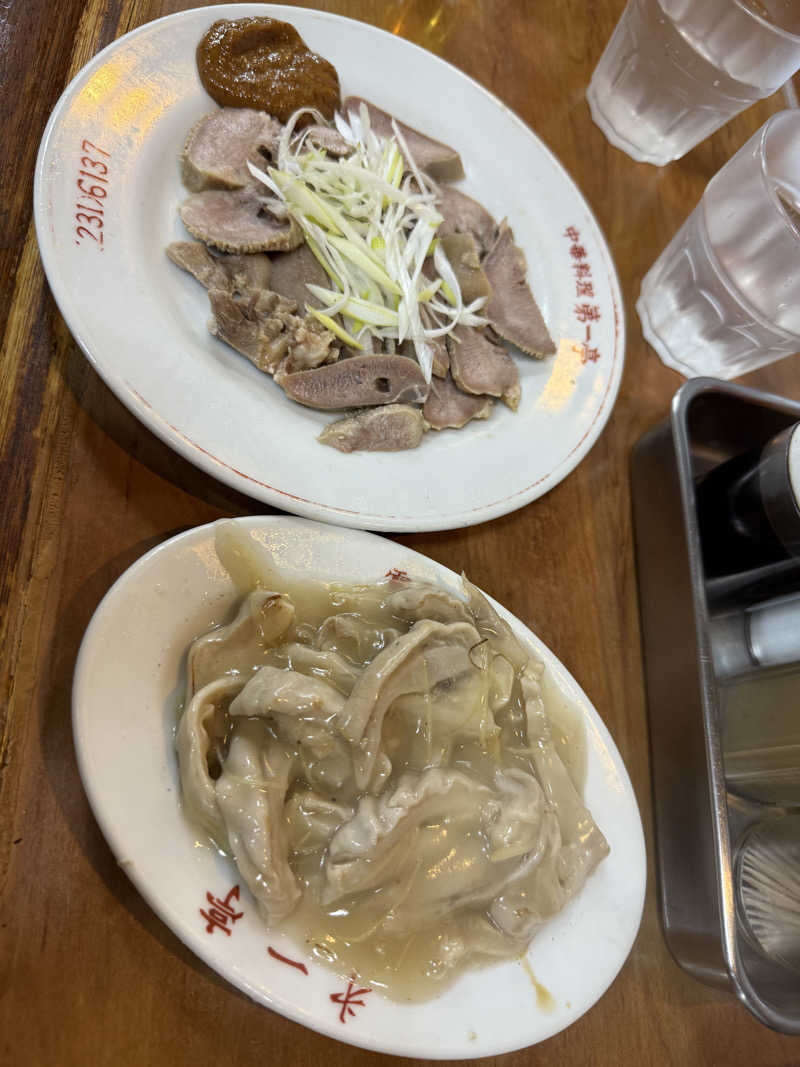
x=88 y=974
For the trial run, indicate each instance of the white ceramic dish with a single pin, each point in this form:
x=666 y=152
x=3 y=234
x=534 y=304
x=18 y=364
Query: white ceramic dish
x=127 y=686
x=118 y=130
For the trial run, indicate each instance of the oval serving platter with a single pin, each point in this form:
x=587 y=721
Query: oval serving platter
x=107 y=193
x=126 y=691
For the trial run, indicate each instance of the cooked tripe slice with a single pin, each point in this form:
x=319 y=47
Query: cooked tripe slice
x=250 y=794
x=304 y=712
x=194 y=744
x=262 y=619
x=429 y=654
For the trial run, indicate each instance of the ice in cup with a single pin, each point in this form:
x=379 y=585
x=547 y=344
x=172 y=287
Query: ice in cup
x=676 y=70
x=724 y=296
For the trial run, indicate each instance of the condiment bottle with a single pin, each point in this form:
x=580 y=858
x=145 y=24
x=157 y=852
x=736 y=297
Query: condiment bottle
x=749 y=507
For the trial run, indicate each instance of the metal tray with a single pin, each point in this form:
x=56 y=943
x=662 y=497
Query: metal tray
x=693 y=644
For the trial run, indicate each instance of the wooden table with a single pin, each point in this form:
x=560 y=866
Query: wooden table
x=88 y=974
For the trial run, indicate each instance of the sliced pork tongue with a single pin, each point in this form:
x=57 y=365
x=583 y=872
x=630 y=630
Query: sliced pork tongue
x=462 y=214
x=447 y=407
x=358 y=382
x=393 y=428
x=293 y=271
x=512 y=310
x=238 y=220
x=480 y=367
x=463 y=255
x=438 y=160
x=230 y=273
x=218 y=148
x=441 y=357
x=329 y=139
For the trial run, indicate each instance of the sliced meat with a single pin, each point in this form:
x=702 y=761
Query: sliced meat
x=447 y=407
x=329 y=139
x=238 y=220
x=497 y=632
x=405 y=838
x=250 y=794
x=302 y=711
x=310 y=346
x=383 y=834
x=429 y=654
x=462 y=214
x=322 y=663
x=263 y=327
x=352 y=636
x=463 y=255
x=229 y=272
x=194 y=743
x=237 y=648
x=249 y=271
x=195 y=258
x=359 y=382
x=254 y=326
x=438 y=160
x=311 y=820
x=511 y=309
x=393 y=428
x=441 y=357
x=424 y=600
x=219 y=146
x=293 y=271
x=483 y=368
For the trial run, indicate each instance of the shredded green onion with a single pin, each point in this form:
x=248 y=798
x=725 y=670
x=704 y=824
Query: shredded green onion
x=372 y=229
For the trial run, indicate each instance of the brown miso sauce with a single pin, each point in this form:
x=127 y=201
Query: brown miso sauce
x=263 y=63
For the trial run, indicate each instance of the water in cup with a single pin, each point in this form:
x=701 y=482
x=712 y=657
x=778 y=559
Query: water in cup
x=676 y=70
x=724 y=296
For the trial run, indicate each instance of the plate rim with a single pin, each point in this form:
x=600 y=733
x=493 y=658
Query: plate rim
x=175 y=921
x=250 y=484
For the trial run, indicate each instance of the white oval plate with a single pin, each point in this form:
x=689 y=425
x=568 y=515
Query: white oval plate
x=142 y=322
x=126 y=690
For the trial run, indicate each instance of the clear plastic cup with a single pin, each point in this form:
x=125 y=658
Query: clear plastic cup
x=724 y=296
x=676 y=70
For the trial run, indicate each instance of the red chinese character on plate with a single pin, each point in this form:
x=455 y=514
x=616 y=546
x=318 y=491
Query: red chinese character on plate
x=221 y=912
x=397 y=575
x=285 y=959
x=572 y=233
x=587 y=312
x=577 y=251
x=582 y=270
x=589 y=355
x=584 y=289
x=348 y=998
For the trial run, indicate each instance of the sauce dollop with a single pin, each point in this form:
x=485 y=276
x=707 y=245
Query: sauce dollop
x=263 y=63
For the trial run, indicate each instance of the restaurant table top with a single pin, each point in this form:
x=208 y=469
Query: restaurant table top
x=88 y=973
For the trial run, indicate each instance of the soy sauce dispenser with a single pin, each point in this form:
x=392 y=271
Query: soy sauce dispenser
x=749 y=507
